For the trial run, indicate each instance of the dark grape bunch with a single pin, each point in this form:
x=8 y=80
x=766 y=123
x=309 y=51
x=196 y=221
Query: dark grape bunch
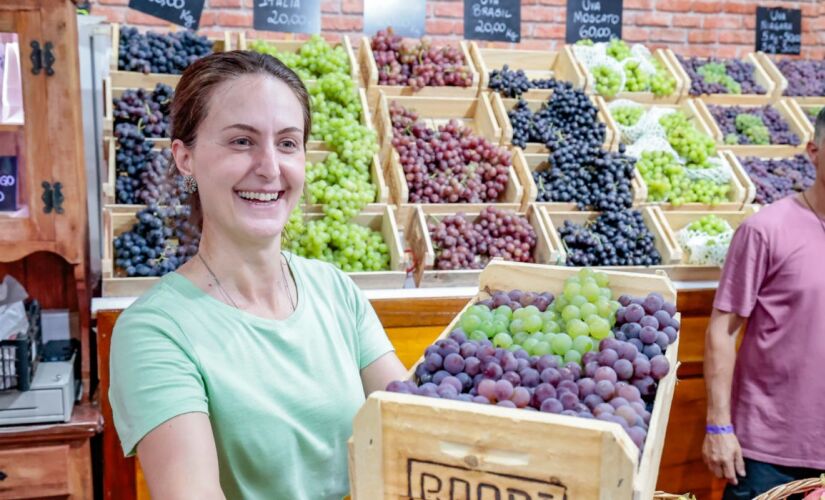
x=152 y=52
x=448 y=165
x=149 y=110
x=720 y=76
x=779 y=177
x=806 y=77
x=729 y=120
x=510 y=83
x=648 y=323
x=462 y=244
x=142 y=173
x=418 y=65
x=161 y=240
x=618 y=238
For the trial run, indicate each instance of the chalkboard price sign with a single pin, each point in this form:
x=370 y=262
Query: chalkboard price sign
x=186 y=13
x=598 y=20
x=778 y=30
x=407 y=17
x=288 y=16
x=8 y=183
x=494 y=20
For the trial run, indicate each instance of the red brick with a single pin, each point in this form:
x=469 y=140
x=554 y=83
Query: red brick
x=818 y=24
x=635 y=34
x=225 y=3
x=536 y=13
x=209 y=18
x=723 y=22
x=687 y=21
x=707 y=6
x=549 y=31
x=653 y=19
x=740 y=8
x=135 y=17
x=809 y=10
x=703 y=36
x=112 y=14
x=732 y=51
x=668 y=35
x=533 y=44
x=736 y=37
x=330 y=6
x=239 y=19
x=341 y=23
x=353 y=6
x=673 y=5
x=697 y=50
x=448 y=9
x=249 y=4
x=444 y=27
x=638 y=4
x=750 y=22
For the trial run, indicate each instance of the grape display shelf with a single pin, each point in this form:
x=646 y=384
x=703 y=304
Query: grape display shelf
x=403 y=443
x=537 y=64
x=369 y=76
x=118 y=219
x=790 y=111
x=503 y=105
x=423 y=251
x=765 y=73
x=581 y=78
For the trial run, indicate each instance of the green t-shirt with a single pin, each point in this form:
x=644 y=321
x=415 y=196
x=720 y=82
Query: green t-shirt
x=280 y=395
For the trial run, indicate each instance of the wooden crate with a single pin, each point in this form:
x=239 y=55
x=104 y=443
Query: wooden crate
x=664 y=239
x=420 y=241
x=502 y=105
x=294 y=46
x=761 y=76
x=688 y=106
x=583 y=79
x=790 y=111
x=369 y=75
x=119 y=219
x=781 y=83
x=403 y=443
x=537 y=64
x=537 y=162
x=807 y=106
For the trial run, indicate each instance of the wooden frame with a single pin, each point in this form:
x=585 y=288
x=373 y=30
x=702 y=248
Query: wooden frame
x=798 y=123
x=760 y=75
x=394 y=442
x=369 y=74
x=119 y=219
x=420 y=241
x=804 y=106
x=536 y=64
x=583 y=79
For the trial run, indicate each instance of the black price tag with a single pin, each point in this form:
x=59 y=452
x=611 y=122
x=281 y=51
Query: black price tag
x=8 y=183
x=778 y=30
x=186 y=13
x=493 y=20
x=406 y=17
x=288 y=16
x=598 y=20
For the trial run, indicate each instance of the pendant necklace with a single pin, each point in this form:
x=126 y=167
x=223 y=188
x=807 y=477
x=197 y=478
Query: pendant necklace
x=228 y=298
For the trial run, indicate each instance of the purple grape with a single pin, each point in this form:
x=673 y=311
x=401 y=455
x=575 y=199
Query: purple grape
x=468 y=349
x=454 y=363
x=433 y=362
x=453 y=381
x=605 y=373
x=542 y=392
x=398 y=386
x=637 y=344
x=521 y=397
x=634 y=313
x=446 y=391
x=628 y=414
x=481 y=400
x=439 y=376
x=500 y=299
x=637 y=435
x=607 y=357
x=624 y=300
x=459 y=336
x=652 y=350
x=605 y=389
x=632 y=330
x=659 y=367
x=566 y=374
x=646 y=386
x=609 y=343
x=641 y=366
x=603 y=408
x=590 y=368
x=552 y=405
x=589 y=356
x=466 y=381
x=653 y=302
x=651 y=321
x=662 y=341
x=629 y=392
x=472 y=366
x=568 y=400
x=623 y=369
x=671 y=334
x=568 y=385
x=551 y=376
x=618 y=401
x=509 y=362
x=628 y=351
x=575 y=368
x=648 y=334
x=530 y=377
x=493 y=370
x=503 y=390
x=506 y=403
x=487 y=388
x=662 y=318
x=593 y=400
x=545 y=362
x=586 y=386
x=512 y=377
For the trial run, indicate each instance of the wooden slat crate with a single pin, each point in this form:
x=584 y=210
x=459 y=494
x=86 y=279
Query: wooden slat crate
x=760 y=75
x=369 y=75
x=403 y=443
x=295 y=45
x=807 y=107
x=780 y=83
x=501 y=106
x=790 y=111
x=418 y=236
x=582 y=78
x=664 y=239
x=119 y=219
x=537 y=64
x=688 y=106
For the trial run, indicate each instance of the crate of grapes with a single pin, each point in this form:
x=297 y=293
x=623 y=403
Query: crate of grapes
x=751 y=80
x=754 y=130
x=777 y=176
x=539 y=66
x=502 y=107
x=451 y=248
x=382 y=57
x=426 y=440
x=799 y=79
x=636 y=240
x=157 y=160
x=670 y=84
x=811 y=111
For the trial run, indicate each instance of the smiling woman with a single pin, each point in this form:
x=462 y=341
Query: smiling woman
x=238 y=375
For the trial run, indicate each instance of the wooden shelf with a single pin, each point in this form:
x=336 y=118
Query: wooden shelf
x=87 y=421
x=11 y=127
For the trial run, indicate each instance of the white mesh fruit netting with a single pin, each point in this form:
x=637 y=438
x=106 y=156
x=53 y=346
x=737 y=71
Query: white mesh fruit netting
x=647 y=125
x=702 y=248
x=595 y=55
x=650 y=142
x=719 y=172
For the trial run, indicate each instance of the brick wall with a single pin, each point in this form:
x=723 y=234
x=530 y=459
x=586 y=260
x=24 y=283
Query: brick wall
x=723 y=28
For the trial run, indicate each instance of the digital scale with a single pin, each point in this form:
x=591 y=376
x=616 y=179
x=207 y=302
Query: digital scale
x=50 y=398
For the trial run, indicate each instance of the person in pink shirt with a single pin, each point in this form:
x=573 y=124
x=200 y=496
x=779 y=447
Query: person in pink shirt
x=766 y=403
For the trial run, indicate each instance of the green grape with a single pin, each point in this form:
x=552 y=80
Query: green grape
x=551 y=327
x=813 y=111
x=477 y=335
x=562 y=343
x=608 y=82
x=314 y=59
x=662 y=83
x=533 y=323
x=711 y=224
x=570 y=312
x=588 y=310
x=351 y=247
x=753 y=128
x=667 y=181
x=579 y=300
x=542 y=348
x=517 y=325
x=618 y=49
x=504 y=311
x=627 y=115
x=599 y=328
x=469 y=322
x=586 y=42
x=573 y=356
x=500 y=324
x=636 y=80
x=688 y=142
x=715 y=72
x=502 y=340
x=520 y=338
x=731 y=139
x=529 y=345
x=583 y=344
x=571 y=289
x=577 y=328
x=591 y=291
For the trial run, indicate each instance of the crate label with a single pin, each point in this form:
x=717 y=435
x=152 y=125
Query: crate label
x=493 y=20
x=598 y=20
x=427 y=480
x=778 y=30
x=186 y=13
x=405 y=16
x=8 y=184
x=287 y=16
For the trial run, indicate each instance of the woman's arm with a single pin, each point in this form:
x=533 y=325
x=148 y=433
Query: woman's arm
x=179 y=459
x=381 y=372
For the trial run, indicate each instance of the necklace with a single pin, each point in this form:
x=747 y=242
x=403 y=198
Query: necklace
x=821 y=222
x=228 y=298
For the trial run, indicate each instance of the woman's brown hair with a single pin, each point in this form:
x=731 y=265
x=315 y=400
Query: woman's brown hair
x=194 y=91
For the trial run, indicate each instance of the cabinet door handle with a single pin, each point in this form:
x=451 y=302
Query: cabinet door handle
x=35 y=57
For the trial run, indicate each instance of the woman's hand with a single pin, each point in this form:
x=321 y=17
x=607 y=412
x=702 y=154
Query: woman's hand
x=723 y=456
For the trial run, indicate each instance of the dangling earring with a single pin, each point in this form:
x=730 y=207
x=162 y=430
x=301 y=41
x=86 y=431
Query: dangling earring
x=190 y=185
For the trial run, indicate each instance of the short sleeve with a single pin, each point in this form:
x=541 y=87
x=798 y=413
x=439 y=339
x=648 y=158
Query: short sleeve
x=154 y=375
x=372 y=339
x=744 y=272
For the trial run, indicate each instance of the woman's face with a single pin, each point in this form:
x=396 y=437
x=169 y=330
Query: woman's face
x=248 y=158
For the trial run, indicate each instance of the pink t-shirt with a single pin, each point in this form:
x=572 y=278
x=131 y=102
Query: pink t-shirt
x=774 y=275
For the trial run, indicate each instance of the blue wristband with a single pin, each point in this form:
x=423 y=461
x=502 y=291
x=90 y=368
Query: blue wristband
x=719 y=429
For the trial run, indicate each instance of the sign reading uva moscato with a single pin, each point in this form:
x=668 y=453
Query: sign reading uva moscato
x=186 y=13
x=493 y=20
x=778 y=30
x=598 y=20
x=287 y=16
